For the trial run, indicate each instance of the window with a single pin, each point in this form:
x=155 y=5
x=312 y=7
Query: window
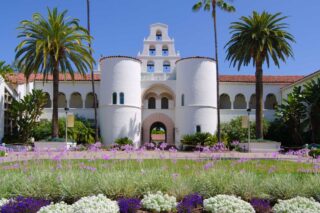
x=62 y=101
x=164 y=103
x=165 y=51
x=121 y=98
x=151 y=103
x=159 y=36
x=166 y=66
x=114 y=98
x=89 y=100
x=182 y=100
x=48 y=101
x=198 y=128
x=240 y=102
x=76 y=100
x=225 y=102
x=152 y=51
x=271 y=102
x=150 y=66
x=252 y=102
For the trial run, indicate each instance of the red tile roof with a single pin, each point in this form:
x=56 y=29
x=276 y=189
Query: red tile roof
x=19 y=78
x=266 y=79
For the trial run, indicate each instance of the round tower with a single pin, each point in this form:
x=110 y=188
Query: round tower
x=120 y=99
x=196 y=106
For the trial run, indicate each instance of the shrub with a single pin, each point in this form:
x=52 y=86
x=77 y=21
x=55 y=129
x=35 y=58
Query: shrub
x=233 y=130
x=297 y=205
x=199 y=138
x=124 y=141
x=24 y=205
x=2 y=153
x=61 y=207
x=315 y=153
x=93 y=204
x=159 y=202
x=189 y=203
x=129 y=205
x=227 y=204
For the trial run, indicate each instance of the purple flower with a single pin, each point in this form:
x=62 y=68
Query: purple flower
x=24 y=205
x=129 y=205
x=189 y=203
x=261 y=205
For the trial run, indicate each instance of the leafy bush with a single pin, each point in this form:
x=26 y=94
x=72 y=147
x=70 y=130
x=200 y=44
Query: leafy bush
x=297 y=205
x=123 y=141
x=129 y=205
x=82 y=133
x=233 y=130
x=227 y=204
x=24 y=205
x=315 y=153
x=3 y=202
x=61 y=207
x=159 y=202
x=155 y=131
x=199 y=138
x=2 y=153
x=99 y=203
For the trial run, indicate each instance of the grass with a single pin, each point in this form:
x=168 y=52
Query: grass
x=70 y=180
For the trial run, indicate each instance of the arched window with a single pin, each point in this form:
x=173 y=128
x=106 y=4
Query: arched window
x=62 y=101
x=252 y=103
x=182 y=100
x=89 y=100
x=159 y=35
x=48 y=101
x=150 y=66
x=76 y=100
x=271 y=102
x=164 y=103
x=151 y=103
x=152 y=50
x=114 y=98
x=225 y=102
x=165 y=51
x=240 y=102
x=121 y=98
x=166 y=66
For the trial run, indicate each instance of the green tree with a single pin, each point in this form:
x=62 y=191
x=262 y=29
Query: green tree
x=292 y=112
x=211 y=6
x=312 y=99
x=26 y=112
x=53 y=45
x=259 y=39
x=5 y=69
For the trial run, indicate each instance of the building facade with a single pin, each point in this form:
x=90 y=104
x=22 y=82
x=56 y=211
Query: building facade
x=157 y=90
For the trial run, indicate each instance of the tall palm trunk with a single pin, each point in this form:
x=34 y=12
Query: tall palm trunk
x=55 y=125
x=92 y=79
x=259 y=100
x=214 y=15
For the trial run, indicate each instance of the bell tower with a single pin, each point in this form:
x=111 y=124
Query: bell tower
x=159 y=54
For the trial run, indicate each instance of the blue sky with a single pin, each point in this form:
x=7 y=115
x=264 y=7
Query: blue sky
x=118 y=27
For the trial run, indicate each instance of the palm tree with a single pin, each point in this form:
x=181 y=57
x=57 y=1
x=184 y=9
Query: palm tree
x=259 y=38
x=92 y=78
x=51 y=46
x=5 y=69
x=211 y=5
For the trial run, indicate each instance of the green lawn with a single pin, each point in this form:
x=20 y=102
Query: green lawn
x=71 y=179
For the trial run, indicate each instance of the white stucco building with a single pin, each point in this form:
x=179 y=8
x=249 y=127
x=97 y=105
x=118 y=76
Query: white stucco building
x=157 y=88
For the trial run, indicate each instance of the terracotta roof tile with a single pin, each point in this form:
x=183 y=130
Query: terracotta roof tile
x=19 y=78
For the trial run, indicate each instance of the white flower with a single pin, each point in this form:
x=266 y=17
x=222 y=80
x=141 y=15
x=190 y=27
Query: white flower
x=3 y=202
x=95 y=204
x=227 y=204
x=159 y=202
x=297 y=205
x=56 y=208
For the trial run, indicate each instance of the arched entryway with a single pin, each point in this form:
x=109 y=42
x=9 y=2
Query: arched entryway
x=159 y=120
x=158 y=132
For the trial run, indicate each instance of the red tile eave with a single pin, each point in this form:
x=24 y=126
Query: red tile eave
x=20 y=79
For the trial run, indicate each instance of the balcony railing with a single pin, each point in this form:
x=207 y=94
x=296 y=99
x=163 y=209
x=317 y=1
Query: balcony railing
x=158 y=76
